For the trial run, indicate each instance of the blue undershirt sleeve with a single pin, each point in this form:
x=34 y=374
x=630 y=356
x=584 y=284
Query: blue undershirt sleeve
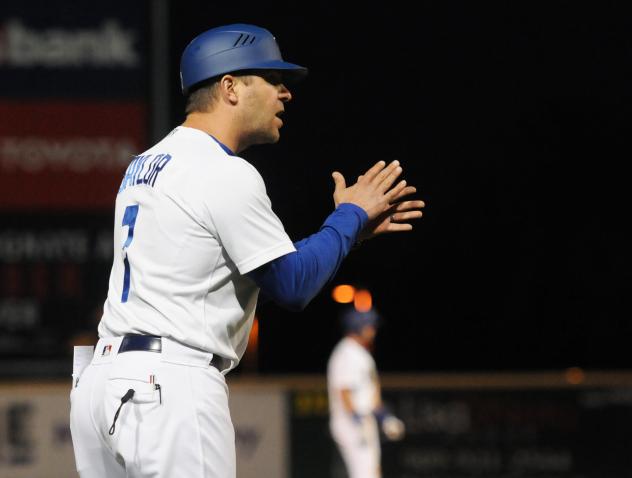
x=294 y=279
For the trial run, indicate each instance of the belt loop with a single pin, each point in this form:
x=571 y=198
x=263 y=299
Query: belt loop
x=106 y=349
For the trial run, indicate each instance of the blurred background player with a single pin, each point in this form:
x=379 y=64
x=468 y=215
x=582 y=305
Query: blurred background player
x=357 y=413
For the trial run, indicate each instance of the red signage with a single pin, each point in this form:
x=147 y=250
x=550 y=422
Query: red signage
x=63 y=155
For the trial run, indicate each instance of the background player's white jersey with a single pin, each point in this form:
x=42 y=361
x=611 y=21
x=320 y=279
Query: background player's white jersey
x=190 y=221
x=351 y=367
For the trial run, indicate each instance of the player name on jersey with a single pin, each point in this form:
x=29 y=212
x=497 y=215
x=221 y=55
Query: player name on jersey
x=144 y=170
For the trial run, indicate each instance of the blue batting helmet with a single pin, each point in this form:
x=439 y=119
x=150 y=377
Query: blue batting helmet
x=353 y=321
x=232 y=48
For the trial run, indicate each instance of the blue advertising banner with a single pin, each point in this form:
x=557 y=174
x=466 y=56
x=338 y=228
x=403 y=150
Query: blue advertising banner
x=73 y=49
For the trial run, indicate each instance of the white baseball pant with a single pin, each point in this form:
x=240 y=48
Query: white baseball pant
x=359 y=445
x=176 y=425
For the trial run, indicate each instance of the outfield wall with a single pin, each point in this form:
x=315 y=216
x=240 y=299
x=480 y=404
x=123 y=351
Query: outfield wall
x=561 y=425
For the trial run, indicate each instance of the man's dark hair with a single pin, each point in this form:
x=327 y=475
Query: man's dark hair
x=202 y=96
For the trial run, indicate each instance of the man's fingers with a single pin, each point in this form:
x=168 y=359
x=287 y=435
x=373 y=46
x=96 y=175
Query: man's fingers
x=388 y=181
x=385 y=178
x=371 y=173
x=339 y=181
x=407 y=191
x=397 y=227
x=408 y=205
x=405 y=216
x=396 y=192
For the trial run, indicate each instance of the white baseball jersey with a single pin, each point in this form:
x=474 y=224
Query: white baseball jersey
x=351 y=367
x=190 y=221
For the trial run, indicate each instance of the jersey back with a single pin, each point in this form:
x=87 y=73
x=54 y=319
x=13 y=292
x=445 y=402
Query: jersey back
x=190 y=222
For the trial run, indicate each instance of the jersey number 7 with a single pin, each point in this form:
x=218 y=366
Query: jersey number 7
x=129 y=219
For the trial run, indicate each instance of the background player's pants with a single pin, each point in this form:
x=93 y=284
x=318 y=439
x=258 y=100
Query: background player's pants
x=359 y=445
x=180 y=430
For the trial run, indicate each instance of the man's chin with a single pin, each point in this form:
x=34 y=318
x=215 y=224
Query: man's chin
x=268 y=138
x=275 y=136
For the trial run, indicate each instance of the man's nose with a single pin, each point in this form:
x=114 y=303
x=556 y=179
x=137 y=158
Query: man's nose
x=284 y=93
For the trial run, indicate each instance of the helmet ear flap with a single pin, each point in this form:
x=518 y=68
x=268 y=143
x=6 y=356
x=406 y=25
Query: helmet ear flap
x=233 y=48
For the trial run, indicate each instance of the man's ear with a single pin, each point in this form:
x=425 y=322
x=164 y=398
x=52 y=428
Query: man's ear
x=227 y=88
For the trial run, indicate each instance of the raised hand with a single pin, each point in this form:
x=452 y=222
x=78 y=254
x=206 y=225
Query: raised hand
x=396 y=218
x=375 y=193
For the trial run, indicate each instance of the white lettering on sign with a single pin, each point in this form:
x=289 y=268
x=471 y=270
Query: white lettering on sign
x=105 y=46
x=35 y=154
x=18 y=246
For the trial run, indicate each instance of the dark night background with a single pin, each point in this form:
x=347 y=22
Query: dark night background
x=512 y=120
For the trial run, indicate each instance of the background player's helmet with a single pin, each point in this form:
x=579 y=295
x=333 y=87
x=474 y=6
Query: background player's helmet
x=232 y=48
x=353 y=320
